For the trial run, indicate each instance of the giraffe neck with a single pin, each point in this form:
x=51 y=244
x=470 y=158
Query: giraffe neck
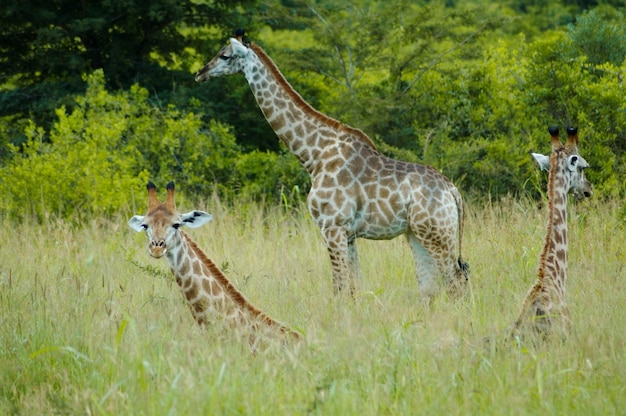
x=207 y=290
x=553 y=265
x=305 y=131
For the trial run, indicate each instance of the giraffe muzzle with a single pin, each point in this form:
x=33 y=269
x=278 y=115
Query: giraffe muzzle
x=157 y=249
x=203 y=74
x=585 y=193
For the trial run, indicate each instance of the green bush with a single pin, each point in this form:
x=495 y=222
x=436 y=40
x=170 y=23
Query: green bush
x=271 y=176
x=600 y=34
x=83 y=170
x=96 y=159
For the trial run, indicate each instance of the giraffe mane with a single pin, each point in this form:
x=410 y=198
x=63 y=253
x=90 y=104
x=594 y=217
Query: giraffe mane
x=547 y=242
x=228 y=287
x=301 y=102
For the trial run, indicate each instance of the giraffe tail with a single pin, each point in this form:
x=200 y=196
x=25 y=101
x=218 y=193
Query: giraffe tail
x=464 y=266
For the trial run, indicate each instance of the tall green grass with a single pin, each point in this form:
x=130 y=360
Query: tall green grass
x=91 y=325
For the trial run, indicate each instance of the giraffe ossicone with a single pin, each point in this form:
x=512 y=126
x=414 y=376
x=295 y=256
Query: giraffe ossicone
x=356 y=192
x=211 y=297
x=544 y=310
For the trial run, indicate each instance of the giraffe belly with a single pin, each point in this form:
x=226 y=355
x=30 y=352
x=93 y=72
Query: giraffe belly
x=360 y=215
x=362 y=224
x=376 y=228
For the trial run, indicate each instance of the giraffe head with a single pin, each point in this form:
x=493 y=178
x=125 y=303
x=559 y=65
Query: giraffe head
x=162 y=223
x=229 y=60
x=566 y=161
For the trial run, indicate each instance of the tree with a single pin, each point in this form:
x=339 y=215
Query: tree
x=46 y=47
x=98 y=155
x=57 y=41
x=600 y=34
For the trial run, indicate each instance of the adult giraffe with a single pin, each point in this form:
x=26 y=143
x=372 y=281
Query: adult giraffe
x=355 y=190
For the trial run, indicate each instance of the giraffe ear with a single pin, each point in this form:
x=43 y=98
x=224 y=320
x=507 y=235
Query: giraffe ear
x=542 y=160
x=195 y=219
x=239 y=48
x=136 y=223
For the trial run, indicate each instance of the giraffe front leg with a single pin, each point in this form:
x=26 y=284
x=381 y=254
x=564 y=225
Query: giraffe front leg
x=341 y=256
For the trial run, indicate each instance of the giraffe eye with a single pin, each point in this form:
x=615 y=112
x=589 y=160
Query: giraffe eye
x=144 y=226
x=176 y=225
x=224 y=57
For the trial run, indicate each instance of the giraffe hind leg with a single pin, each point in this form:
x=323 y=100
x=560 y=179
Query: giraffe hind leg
x=443 y=261
x=457 y=277
x=425 y=268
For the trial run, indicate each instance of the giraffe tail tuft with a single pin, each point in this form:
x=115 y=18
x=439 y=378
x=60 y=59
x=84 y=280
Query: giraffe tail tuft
x=460 y=206
x=465 y=268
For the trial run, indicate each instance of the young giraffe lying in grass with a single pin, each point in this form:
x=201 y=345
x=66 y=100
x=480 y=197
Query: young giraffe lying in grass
x=210 y=295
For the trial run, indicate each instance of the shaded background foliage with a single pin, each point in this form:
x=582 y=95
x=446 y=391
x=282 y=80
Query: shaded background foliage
x=97 y=99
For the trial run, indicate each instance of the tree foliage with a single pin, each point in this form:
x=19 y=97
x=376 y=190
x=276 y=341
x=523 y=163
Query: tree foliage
x=600 y=35
x=469 y=87
x=444 y=83
x=46 y=48
x=100 y=155
x=129 y=40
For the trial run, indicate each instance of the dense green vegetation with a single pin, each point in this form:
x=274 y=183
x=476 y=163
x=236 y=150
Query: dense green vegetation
x=96 y=99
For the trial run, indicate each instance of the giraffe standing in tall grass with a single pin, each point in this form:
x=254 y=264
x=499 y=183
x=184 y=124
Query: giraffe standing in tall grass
x=355 y=190
x=210 y=295
x=544 y=310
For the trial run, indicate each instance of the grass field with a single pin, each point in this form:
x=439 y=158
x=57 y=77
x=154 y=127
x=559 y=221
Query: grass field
x=91 y=325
